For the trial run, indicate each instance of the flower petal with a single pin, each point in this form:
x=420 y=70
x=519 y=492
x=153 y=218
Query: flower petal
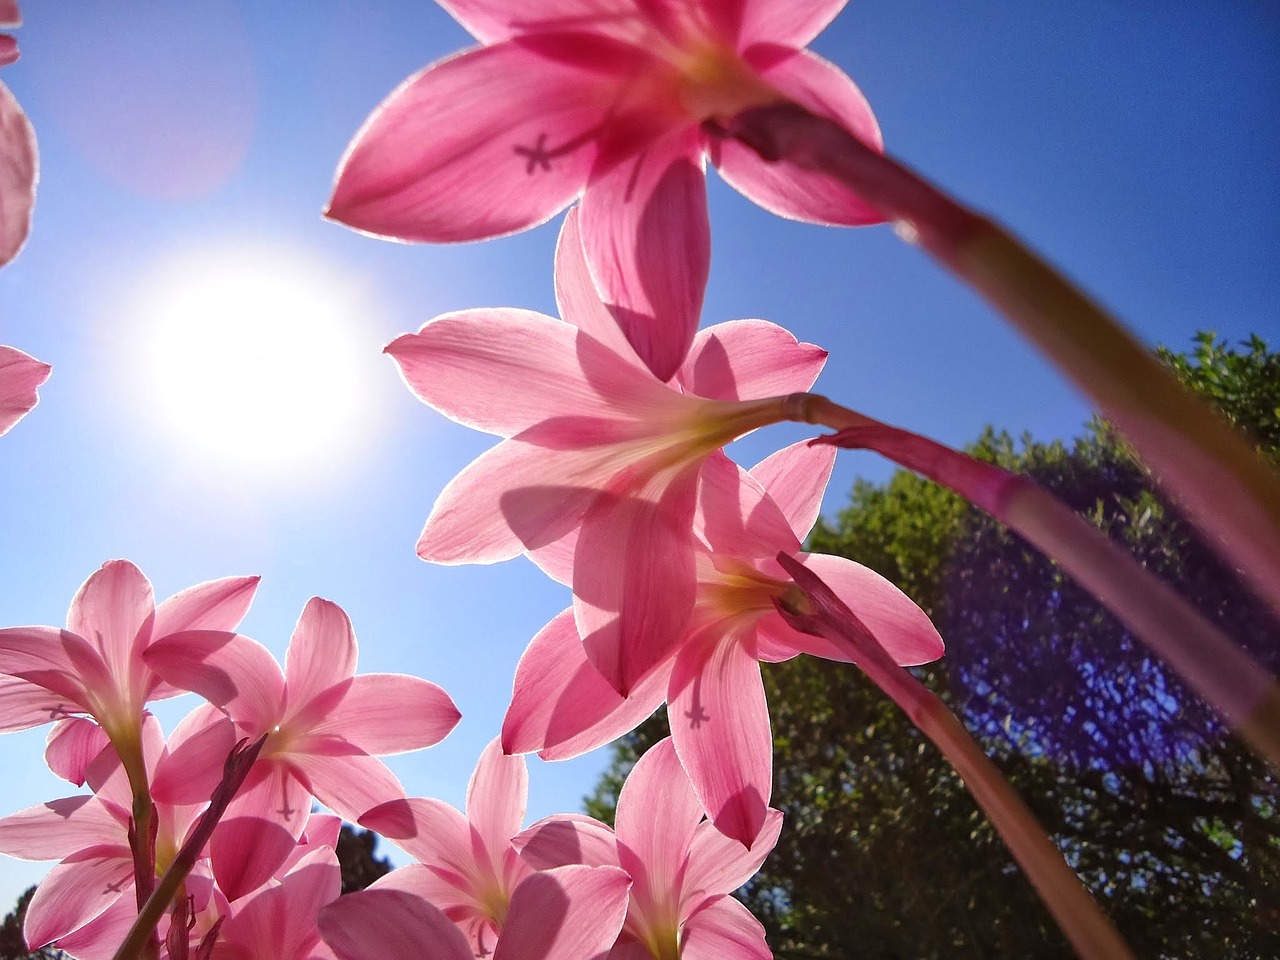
x=793 y=23
x=647 y=239
x=232 y=671
x=72 y=745
x=481 y=144
x=562 y=707
x=720 y=728
x=18 y=170
x=390 y=923
x=61 y=828
x=724 y=929
x=719 y=865
x=76 y=890
x=195 y=758
x=749 y=360
x=20 y=374
x=736 y=518
x=26 y=704
x=657 y=816
x=433 y=833
x=567 y=838
x=346 y=780
x=110 y=610
x=322 y=653
x=570 y=913
x=784 y=188
x=796 y=478
x=577 y=297
x=259 y=830
x=492 y=20
x=214 y=605
x=385 y=713
x=496 y=798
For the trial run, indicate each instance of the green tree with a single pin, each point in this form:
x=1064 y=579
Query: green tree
x=1168 y=819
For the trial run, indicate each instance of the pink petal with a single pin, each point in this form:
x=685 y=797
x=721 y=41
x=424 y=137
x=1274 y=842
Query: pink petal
x=197 y=753
x=10 y=15
x=506 y=370
x=101 y=937
x=634 y=580
x=646 y=236
x=736 y=518
x=260 y=828
x=385 y=713
x=792 y=23
x=61 y=828
x=567 y=838
x=720 y=728
x=492 y=20
x=796 y=478
x=390 y=923
x=433 y=833
x=783 y=188
x=110 y=610
x=749 y=360
x=657 y=816
x=345 y=780
x=323 y=830
x=496 y=797
x=322 y=653
x=724 y=929
x=214 y=605
x=20 y=375
x=77 y=890
x=235 y=673
x=71 y=745
x=718 y=865
x=570 y=913
x=484 y=143
x=443 y=889
x=25 y=704
x=9 y=52
x=562 y=706
x=900 y=626
x=279 y=923
x=577 y=297
x=18 y=170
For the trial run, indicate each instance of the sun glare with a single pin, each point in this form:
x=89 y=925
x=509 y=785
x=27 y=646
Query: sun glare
x=256 y=360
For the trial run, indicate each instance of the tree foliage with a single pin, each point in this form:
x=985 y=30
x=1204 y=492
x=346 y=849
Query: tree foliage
x=1167 y=818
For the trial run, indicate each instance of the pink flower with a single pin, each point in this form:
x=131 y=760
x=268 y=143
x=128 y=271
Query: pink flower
x=20 y=375
x=468 y=869
x=607 y=99
x=327 y=727
x=279 y=921
x=18 y=161
x=682 y=869
x=95 y=666
x=711 y=677
x=597 y=449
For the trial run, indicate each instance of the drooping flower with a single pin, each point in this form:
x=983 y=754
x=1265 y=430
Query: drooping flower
x=468 y=868
x=18 y=158
x=326 y=727
x=682 y=869
x=597 y=449
x=711 y=677
x=604 y=98
x=20 y=377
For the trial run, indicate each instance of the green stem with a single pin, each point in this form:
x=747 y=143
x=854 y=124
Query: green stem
x=1076 y=912
x=1243 y=691
x=1207 y=465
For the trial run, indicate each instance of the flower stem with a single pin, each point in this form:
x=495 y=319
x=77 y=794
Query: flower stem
x=1243 y=691
x=1207 y=465
x=1076 y=912
x=236 y=769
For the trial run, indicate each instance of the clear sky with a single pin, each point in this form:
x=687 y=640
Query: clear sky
x=187 y=149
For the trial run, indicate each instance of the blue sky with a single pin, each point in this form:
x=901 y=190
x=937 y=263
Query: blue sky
x=1133 y=143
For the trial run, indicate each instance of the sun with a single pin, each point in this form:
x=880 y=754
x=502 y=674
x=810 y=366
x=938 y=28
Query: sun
x=256 y=359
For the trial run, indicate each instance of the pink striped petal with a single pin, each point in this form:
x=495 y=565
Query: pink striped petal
x=657 y=816
x=782 y=187
x=570 y=913
x=496 y=798
x=562 y=707
x=577 y=297
x=78 y=889
x=792 y=23
x=345 y=780
x=736 y=518
x=279 y=923
x=229 y=670
x=720 y=728
x=433 y=833
x=101 y=937
x=440 y=888
x=900 y=626
x=719 y=865
x=20 y=374
x=322 y=652
x=214 y=605
x=110 y=610
x=484 y=143
x=390 y=923
x=60 y=828
x=567 y=838
x=386 y=713
x=646 y=236
x=749 y=360
x=18 y=169
x=796 y=478
x=10 y=15
x=260 y=828
x=492 y=20
x=72 y=745
x=724 y=929
x=634 y=580
x=25 y=704
x=197 y=753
